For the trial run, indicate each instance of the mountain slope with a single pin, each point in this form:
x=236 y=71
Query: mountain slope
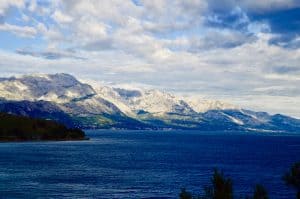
x=39 y=109
x=62 y=97
x=30 y=94
x=57 y=88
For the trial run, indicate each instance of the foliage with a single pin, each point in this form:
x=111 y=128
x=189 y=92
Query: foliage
x=185 y=195
x=260 y=192
x=292 y=177
x=221 y=187
x=20 y=128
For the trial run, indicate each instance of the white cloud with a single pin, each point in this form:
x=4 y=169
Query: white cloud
x=6 y=4
x=59 y=17
x=162 y=43
x=172 y=15
x=23 y=31
x=32 y=6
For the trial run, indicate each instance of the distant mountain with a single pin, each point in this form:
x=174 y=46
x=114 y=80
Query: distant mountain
x=57 y=88
x=36 y=109
x=63 y=98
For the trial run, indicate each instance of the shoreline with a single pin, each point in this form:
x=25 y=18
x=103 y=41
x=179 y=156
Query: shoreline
x=38 y=140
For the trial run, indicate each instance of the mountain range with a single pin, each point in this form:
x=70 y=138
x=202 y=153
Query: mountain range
x=63 y=98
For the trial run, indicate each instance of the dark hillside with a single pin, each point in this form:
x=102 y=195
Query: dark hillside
x=20 y=128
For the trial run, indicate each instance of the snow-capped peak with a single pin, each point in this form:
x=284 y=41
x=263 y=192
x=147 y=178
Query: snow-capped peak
x=57 y=87
x=63 y=88
x=108 y=106
x=131 y=99
x=201 y=105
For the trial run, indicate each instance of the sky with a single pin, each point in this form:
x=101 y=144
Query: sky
x=246 y=52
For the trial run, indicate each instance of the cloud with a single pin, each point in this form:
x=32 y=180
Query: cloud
x=271 y=5
x=254 y=6
x=6 y=4
x=111 y=11
x=61 y=18
x=235 y=51
x=280 y=17
x=235 y=18
x=285 y=69
x=49 y=54
x=159 y=15
x=285 y=24
x=23 y=31
x=221 y=39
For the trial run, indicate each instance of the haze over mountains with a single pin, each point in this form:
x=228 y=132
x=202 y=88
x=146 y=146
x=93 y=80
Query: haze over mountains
x=63 y=98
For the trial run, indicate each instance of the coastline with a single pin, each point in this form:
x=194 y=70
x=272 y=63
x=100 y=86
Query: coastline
x=15 y=139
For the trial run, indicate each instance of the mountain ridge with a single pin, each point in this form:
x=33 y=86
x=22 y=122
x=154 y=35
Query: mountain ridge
x=64 y=98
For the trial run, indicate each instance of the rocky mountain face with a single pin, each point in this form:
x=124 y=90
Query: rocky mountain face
x=63 y=98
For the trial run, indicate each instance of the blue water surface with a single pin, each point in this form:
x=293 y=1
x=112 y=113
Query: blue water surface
x=146 y=164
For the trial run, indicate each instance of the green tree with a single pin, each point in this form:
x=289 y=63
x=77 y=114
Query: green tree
x=184 y=194
x=260 y=192
x=221 y=187
x=292 y=178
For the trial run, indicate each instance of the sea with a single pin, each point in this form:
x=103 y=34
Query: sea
x=147 y=164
